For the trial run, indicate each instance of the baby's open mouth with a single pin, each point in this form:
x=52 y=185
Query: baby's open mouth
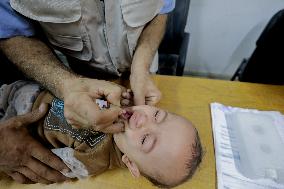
x=127 y=115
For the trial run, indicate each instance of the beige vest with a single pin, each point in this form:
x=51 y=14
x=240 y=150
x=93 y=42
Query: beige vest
x=103 y=34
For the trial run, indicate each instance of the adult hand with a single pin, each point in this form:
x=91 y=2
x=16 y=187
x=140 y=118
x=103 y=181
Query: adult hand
x=22 y=157
x=144 y=89
x=81 y=110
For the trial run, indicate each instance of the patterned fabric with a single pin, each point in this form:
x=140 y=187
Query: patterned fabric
x=55 y=121
x=17 y=98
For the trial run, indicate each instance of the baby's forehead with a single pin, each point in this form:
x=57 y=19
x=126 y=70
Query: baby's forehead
x=180 y=126
x=180 y=118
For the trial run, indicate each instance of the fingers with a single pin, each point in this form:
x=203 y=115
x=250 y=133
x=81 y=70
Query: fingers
x=114 y=95
x=86 y=113
x=45 y=173
x=152 y=97
x=127 y=98
x=99 y=119
x=33 y=116
x=48 y=158
x=18 y=177
x=153 y=100
x=139 y=99
x=149 y=100
x=107 y=116
x=115 y=128
x=128 y=94
x=32 y=176
x=126 y=102
x=82 y=111
x=74 y=119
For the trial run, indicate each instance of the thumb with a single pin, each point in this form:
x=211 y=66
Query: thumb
x=139 y=99
x=33 y=116
x=153 y=98
x=114 y=128
x=152 y=101
x=115 y=96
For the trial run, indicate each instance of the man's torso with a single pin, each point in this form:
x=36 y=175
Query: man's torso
x=102 y=34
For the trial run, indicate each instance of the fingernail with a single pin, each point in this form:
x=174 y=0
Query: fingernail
x=122 y=127
x=122 y=124
x=122 y=112
x=42 y=108
x=65 y=170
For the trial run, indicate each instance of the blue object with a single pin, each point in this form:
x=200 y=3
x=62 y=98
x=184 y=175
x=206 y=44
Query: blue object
x=169 y=6
x=12 y=23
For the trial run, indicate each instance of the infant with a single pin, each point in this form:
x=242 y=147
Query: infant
x=162 y=146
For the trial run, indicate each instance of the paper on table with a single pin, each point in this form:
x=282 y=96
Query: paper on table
x=228 y=158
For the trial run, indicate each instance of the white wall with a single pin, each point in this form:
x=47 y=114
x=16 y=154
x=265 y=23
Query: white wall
x=223 y=32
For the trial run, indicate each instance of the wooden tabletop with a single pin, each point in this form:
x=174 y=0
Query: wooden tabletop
x=191 y=98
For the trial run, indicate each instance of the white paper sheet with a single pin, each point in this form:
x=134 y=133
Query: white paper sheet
x=228 y=175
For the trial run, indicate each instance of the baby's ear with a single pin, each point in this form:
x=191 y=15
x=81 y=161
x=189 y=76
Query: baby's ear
x=132 y=167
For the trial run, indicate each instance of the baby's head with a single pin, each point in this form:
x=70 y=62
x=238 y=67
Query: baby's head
x=159 y=145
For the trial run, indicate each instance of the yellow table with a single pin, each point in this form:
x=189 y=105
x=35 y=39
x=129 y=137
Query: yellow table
x=190 y=97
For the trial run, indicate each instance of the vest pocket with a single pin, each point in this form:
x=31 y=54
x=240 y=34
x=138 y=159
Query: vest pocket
x=62 y=22
x=69 y=38
x=136 y=14
x=140 y=12
x=68 y=42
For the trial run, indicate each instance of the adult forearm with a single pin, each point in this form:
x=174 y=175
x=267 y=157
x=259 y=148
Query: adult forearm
x=148 y=43
x=37 y=62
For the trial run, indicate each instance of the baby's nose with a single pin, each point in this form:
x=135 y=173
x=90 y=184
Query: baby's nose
x=139 y=121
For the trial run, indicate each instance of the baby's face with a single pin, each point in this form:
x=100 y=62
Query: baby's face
x=156 y=142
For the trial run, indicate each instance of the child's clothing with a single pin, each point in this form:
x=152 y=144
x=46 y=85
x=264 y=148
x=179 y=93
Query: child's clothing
x=88 y=152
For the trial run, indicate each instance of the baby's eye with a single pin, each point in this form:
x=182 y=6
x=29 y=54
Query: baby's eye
x=148 y=142
x=157 y=113
x=144 y=138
